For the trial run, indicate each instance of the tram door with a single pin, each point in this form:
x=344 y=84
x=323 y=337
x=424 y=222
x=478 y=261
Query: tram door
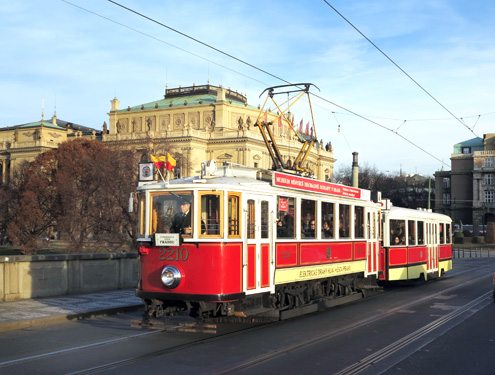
x=372 y=252
x=258 y=263
x=432 y=246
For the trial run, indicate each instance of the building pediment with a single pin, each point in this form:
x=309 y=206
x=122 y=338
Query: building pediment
x=224 y=156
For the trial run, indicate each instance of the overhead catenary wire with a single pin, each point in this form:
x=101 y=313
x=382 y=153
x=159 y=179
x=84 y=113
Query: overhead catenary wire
x=398 y=67
x=245 y=63
x=198 y=41
x=164 y=42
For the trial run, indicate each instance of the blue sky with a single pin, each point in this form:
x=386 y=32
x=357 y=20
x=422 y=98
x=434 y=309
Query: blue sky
x=55 y=53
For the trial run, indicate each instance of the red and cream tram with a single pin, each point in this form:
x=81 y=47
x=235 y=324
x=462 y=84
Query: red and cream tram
x=259 y=241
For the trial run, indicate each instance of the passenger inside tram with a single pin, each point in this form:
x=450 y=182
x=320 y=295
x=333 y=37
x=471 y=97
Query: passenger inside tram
x=327 y=229
x=285 y=226
x=310 y=232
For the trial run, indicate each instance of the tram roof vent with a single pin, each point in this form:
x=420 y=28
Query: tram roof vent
x=238 y=170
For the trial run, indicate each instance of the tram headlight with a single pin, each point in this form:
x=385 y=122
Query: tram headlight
x=171 y=277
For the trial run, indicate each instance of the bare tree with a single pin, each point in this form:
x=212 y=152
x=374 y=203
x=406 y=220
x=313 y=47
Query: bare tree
x=81 y=191
x=403 y=190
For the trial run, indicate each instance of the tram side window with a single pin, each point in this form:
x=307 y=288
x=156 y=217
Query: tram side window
x=265 y=219
x=234 y=216
x=359 y=222
x=442 y=233
x=285 y=218
x=210 y=213
x=308 y=214
x=411 y=229
x=397 y=232
x=251 y=219
x=327 y=220
x=171 y=213
x=141 y=213
x=344 y=220
x=448 y=233
x=421 y=233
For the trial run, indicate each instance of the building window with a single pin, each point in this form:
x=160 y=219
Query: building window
x=446 y=182
x=466 y=150
x=488 y=179
x=446 y=198
x=489 y=162
x=488 y=196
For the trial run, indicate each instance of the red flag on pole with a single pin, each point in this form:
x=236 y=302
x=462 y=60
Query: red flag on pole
x=158 y=161
x=307 y=129
x=300 y=126
x=280 y=121
x=170 y=162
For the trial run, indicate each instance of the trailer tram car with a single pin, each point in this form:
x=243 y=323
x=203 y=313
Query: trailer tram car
x=274 y=243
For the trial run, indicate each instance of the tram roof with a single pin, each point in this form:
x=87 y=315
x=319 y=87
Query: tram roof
x=246 y=177
x=404 y=213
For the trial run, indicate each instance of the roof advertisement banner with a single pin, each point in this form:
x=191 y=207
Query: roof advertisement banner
x=316 y=186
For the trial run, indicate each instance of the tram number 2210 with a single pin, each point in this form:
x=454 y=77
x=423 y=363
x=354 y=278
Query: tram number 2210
x=173 y=253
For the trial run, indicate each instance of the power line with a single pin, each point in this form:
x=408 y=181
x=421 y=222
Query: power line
x=164 y=42
x=383 y=127
x=402 y=70
x=431 y=119
x=198 y=41
x=243 y=62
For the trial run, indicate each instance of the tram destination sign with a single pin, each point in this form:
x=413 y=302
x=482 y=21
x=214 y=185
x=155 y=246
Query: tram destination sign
x=167 y=239
x=316 y=186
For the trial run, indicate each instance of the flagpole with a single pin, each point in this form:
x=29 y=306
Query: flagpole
x=161 y=175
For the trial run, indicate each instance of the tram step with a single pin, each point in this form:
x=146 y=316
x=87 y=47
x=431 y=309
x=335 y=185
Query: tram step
x=260 y=312
x=287 y=314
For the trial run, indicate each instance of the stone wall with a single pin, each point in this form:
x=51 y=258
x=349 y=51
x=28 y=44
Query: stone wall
x=31 y=276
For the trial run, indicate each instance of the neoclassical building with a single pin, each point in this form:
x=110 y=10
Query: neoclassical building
x=194 y=124
x=20 y=143
x=468 y=189
x=199 y=123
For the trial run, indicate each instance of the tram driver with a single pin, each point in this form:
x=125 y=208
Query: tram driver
x=182 y=220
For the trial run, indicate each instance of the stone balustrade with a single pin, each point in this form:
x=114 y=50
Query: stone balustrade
x=31 y=276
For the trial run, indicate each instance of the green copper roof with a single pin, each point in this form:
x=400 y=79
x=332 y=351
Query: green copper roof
x=196 y=95
x=41 y=123
x=476 y=144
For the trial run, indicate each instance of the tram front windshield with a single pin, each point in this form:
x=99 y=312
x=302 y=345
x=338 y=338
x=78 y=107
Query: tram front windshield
x=171 y=213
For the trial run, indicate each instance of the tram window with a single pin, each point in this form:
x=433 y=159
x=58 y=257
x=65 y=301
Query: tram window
x=397 y=232
x=210 y=213
x=442 y=233
x=358 y=222
x=327 y=220
x=344 y=220
x=141 y=217
x=308 y=213
x=265 y=216
x=411 y=230
x=251 y=219
x=448 y=233
x=171 y=213
x=234 y=216
x=285 y=218
x=421 y=233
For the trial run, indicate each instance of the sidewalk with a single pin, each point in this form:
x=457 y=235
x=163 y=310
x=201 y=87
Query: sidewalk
x=50 y=310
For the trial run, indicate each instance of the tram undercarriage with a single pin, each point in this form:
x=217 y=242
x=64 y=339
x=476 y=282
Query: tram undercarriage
x=289 y=300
